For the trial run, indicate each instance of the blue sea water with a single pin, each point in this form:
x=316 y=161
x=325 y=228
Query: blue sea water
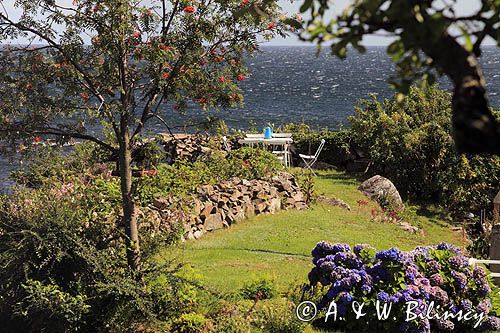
x=294 y=84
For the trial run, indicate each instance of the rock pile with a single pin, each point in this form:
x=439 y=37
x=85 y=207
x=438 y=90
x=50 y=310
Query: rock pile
x=186 y=146
x=219 y=206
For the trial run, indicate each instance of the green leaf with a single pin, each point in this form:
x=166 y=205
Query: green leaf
x=305 y=6
x=292 y=22
x=396 y=50
x=468 y=42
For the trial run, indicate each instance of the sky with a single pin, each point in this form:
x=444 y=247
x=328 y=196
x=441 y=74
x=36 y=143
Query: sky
x=462 y=7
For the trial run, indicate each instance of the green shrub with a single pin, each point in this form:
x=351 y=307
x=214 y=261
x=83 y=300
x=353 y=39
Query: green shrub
x=261 y=289
x=411 y=143
x=278 y=317
x=65 y=268
x=50 y=304
x=190 y=323
x=184 y=177
x=46 y=165
x=249 y=163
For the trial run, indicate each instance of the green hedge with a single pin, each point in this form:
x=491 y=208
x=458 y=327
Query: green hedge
x=411 y=143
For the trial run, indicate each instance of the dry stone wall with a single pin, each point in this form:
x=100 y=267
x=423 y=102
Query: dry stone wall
x=219 y=206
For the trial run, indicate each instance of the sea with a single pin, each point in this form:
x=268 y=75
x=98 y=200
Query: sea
x=296 y=84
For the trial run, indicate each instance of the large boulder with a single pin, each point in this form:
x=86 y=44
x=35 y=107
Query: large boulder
x=383 y=191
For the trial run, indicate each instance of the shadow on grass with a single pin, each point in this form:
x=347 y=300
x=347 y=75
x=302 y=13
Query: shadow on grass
x=344 y=178
x=433 y=214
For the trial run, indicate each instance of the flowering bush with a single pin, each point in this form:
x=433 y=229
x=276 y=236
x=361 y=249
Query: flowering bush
x=438 y=278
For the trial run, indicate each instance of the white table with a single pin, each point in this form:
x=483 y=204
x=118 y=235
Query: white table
x=283 y=142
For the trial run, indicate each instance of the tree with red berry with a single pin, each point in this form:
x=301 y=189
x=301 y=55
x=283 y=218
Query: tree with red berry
x=139 y=56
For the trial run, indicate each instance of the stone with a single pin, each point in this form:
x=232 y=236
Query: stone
x=274 y=205
x=290 y=201
x=205 y=190
x=161 y=202
x=298 y=196
x=198 y=234
x=260 y=207
x=301 y=205
x=408 y=227
x=213 y=222
x=383 y=191
x=239 y=215
x=236 y=181
x=229 y=218
x=249 y=209
x=190 y=235
x=209 y=209
x=197 y=207
x=334 y=202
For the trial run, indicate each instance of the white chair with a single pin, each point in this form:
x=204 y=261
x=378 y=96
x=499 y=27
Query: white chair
x=309 y=160
x=227 y=147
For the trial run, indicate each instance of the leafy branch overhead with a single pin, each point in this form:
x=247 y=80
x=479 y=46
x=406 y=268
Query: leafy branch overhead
x=429 y=39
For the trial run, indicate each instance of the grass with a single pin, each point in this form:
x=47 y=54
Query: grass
x=278 y=246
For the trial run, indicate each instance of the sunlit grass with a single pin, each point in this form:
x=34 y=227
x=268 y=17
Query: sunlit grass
x=278 y=246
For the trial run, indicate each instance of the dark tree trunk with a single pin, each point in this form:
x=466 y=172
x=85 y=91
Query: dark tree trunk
x=128 y=205
x=475 y=129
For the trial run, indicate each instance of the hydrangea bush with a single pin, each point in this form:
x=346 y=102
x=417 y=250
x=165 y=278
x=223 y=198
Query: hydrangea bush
x=439 y=274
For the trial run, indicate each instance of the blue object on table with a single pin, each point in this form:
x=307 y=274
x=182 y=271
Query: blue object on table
x=268 y=133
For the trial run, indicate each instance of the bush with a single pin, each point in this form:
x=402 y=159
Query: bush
x=258 y=290
x=278 y=317
x=190 y=323
x=411 y=143
x=46 y=165
x=65 y=269
x=249 y=163
x=184 y=177
x=439 y=274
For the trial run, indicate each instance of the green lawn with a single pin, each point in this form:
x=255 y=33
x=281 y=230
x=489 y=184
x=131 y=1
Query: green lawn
x=278 y=246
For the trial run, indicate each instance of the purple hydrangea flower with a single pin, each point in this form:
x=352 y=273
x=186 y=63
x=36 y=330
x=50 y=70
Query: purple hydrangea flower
x=322 y=249
x=392 y=254
x=466 y=305
x=445 y=325
x=460 y=280
x=438 y=295
x=366 y=288
x=346 y=298
x=359 y=247
x=448 y=247
x=479 y=272
x=484 y=290
x=436 y=280
x=433 y=266
x=491 y=324
x=383 y=296
x=484 y=306
x=458 y=262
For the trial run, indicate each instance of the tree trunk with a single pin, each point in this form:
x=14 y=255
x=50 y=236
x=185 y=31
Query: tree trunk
x=128 y=205
x=475 y=129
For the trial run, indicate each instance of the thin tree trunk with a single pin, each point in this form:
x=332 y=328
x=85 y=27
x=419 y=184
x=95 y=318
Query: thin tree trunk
x=129 y=213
